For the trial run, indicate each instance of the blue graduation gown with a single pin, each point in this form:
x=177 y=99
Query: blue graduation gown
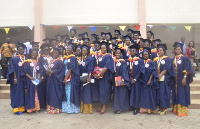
x=72 y=64
x=55 y=89
x=105 y=83
x=87 y=66
x=138 y=67
x=16 y=90
x=148 y=93
x=183 y=92
x=30 y=96
x=121 y=93
x=164 y=91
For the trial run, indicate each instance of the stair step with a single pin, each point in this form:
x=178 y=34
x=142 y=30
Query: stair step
x=195 y=96
x=3 y=81
x=4 y=94
x=194 y=106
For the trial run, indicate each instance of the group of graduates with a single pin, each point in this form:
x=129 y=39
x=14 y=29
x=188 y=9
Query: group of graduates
x=68 y=74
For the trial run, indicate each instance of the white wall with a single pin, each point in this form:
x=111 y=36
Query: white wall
x=172 y=11
x=90 y=12
x=16 y=12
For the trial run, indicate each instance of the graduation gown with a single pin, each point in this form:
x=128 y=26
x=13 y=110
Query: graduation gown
x=72 y=64
x=121 y=93
x=164 y=91
x=154 y=54
x=105 y=83
x=16 y=90
x=183 y=92
x=87 y=66
x=137 y=68
x=55 y=89
x=29 y=68
x=148 y=92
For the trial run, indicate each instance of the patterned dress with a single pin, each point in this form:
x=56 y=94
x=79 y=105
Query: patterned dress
x=67 y=106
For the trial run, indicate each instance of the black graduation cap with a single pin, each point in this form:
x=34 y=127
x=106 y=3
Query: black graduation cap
x=86 y=40
x=73 y=30
x=68 y=39
x=163 y=45
x=117 y=32
x=78 y=46
x=123 y=36
x=109 y=34
x=20 y=44
x=147 y=49
x=128 y=37
x=97 y=42
x=177 y=44
x=58 y=35
x=61 y=47
x=65 y=36
x=85 y=33
x=35 y=43
x=56 y=49
x=46 y=39
x=104 y=43
x=94 y=35
x=102 y=33
x=137 y=32
x=130 y=30
x=117 y=48
x=114 y=38
x=85 y=46
x=157 y=40
x=141 y=39
x=80 y=35
x=44 y=45
x=134 y=46
x=147 y=41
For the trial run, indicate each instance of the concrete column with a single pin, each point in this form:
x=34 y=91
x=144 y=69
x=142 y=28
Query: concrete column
x=39 y=30
x=142 y=17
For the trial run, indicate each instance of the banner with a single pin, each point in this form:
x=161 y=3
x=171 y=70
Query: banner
x=30 y=27
x=6 y=30
x=150 y=26
x=82 y=27
x=173 y=28
x=164 y=27
x=69 y=27
x=122 y=27
x=107 y=27
x=55 y=28
x=137 y=27
x=188 y=28
x=93 y=28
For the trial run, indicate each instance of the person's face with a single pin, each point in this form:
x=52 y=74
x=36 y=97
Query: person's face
x=117 y=35
x=36 y=47
x=53 y=43
x=103 y=37
x=183 y=39
x=161 y=52
x=133 y=52
x=107 y=37
x=84 y=52
x=78 y=52
x=61 y=51
x=59 y=39
x=93 y=39
x=97 y=47
x=145 y=55
x=141 y=44
x=103 y=49
x=72 y=33
x=146 y=45
x=113 y=41
x=178 y=51
x=136 y=36
x=118 y=54
x=191 y=44
x=21 y=50
x=129 y=33
x=55 y=54
x=7 y=40
x=156 y=44
x=34 y=55
x=46 y=50
x=149 y=35
x=128 y=42
x=86 y=43
x=69 y=50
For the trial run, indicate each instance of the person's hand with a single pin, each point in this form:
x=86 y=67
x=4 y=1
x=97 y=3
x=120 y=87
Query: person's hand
x=32 y=78
x=25 y=91
x=133 y=81
x=15 y=81
x=65 y=80
x=149 y=83
x=41 y=80
x=122 y=83
x=184 y=81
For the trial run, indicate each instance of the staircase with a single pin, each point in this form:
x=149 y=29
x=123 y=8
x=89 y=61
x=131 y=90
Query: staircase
x=194 y=91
